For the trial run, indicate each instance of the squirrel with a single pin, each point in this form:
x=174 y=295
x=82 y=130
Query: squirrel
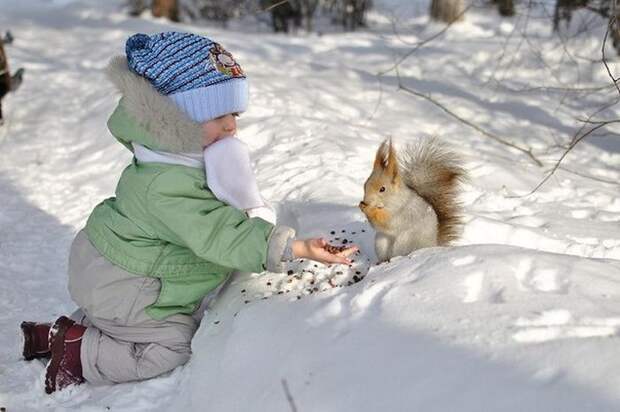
x=411 y=197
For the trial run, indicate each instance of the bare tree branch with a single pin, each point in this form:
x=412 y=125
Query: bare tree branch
x=598 y=179
x=577 y=138
x=554 y=89
x=588 y=121
x=486 y=133
x=505 y=45
x=588 y=127
x=289 y=397
x=580 y=135
x=574 y=143
x=612 y=21
x=379 y=99
x=409 y=90
x=273 y=6
x=425 y=41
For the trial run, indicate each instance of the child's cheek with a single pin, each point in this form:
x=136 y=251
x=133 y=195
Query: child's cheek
x=208 y=135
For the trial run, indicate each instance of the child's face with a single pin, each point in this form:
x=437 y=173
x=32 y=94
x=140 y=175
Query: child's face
x=218 y=128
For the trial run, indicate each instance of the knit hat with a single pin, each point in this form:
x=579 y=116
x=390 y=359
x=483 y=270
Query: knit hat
x=201 y=78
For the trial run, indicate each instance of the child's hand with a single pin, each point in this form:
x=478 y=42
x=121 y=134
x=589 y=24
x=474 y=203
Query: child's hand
x=318 y=249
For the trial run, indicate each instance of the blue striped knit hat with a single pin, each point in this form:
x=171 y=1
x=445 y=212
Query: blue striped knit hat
x=200 y=77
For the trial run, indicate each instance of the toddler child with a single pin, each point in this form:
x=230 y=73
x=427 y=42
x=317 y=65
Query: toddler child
x=228 y=172
x=149 y=258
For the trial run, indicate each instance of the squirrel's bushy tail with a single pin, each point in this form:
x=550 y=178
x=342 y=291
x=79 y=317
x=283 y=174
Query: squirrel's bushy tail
x=435 y=172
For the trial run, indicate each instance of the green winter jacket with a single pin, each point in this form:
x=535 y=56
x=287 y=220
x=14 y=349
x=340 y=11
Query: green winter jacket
x=165 y=223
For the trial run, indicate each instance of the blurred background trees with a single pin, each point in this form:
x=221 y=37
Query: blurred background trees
x=286 y=16
x=447 y=11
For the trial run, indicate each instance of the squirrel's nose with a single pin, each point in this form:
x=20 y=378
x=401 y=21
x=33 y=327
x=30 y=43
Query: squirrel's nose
x=362 y=205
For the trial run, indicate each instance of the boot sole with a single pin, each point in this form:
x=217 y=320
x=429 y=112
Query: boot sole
x=28 y=339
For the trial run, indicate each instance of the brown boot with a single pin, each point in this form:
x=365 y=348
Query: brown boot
x=36 y=340
x=65 y=366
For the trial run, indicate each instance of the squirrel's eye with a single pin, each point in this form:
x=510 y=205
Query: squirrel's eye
x=382 y=189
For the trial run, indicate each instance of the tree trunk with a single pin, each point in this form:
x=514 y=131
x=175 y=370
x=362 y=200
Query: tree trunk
x=5 y=77
x=614 y=28
x=308 y=8
x=166 y=8
x=5 y=74
x=136 y=7
x=506 y=8
x=447 y=11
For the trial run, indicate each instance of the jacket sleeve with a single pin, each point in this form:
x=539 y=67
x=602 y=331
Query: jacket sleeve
x=191 y=216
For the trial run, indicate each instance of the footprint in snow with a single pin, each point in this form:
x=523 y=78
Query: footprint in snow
x=478 y=288
x=536 y=279
x=560 y=324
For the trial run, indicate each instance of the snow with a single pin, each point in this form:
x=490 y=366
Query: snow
x=521 y=314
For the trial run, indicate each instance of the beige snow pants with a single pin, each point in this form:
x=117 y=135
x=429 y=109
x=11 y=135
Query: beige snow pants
x=122 y=343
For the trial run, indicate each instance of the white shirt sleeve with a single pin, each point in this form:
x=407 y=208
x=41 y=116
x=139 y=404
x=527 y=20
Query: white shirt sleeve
x=266 y=213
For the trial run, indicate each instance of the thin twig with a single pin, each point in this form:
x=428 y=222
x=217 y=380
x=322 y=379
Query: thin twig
x=255 y=11
x=598 y=179
x=423 y=42
x=566 y=152
x=577 y=138
x=480 y=130
x=273 y=6
x=554 y=89
x=612 y=21
x=498 y=62
x=401 y=86
x=588 y=121
x=379 y=100
x=289 y=397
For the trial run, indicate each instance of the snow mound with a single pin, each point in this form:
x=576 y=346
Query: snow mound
x=472 y=328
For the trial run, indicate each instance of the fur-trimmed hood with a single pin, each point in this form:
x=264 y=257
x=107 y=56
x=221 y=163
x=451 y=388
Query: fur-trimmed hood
x=145 y=116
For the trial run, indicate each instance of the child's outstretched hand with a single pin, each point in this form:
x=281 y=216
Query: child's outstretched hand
x=318 y=249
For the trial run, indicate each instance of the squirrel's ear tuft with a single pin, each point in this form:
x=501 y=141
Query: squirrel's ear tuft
x=392 y=162
x=381 y=158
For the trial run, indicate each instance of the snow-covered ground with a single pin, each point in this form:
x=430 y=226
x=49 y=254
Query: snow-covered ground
x=522 y=314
